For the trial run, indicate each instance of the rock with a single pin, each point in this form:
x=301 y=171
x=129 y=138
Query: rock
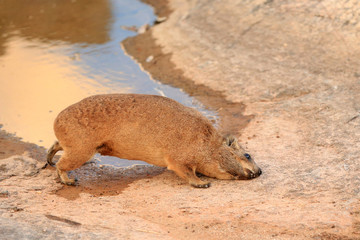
x=302 y=91
x=149 y=58
x=18 y=166
x=143 y=28
x=160 y=20
x=130 y=28
x=4 y=194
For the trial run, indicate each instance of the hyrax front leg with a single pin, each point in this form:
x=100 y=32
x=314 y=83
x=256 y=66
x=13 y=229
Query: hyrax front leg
x=188 y=173
x=214 y=170
x=70 y=160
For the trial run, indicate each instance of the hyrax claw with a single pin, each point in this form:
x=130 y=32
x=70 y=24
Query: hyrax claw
x=69 y=183
x=206 y=185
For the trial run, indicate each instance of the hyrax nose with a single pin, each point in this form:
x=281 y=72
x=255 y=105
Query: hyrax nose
x=255 y=174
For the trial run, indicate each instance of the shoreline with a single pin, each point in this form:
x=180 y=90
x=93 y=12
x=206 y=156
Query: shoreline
x=161 y=68
x=11 y=145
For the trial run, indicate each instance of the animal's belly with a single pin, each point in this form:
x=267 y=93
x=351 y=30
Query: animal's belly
x=151 y=159
x=150 y=155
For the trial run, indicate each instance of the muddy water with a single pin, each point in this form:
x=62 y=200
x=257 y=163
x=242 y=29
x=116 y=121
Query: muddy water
x=54 y=53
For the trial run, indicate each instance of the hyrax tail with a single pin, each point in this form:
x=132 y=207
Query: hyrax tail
x=52 y=151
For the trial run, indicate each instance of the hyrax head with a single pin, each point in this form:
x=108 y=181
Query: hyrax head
x=237 y=162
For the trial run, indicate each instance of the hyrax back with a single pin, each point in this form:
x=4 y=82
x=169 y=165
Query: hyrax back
x=151 y=128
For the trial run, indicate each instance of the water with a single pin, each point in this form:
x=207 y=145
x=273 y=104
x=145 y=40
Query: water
x=54 y=53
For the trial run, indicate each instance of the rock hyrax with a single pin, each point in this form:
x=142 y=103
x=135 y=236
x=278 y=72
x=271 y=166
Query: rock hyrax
x=155 y=129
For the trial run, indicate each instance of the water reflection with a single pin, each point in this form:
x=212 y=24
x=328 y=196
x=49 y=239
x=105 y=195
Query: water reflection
x=56 y=52
x=35 y=85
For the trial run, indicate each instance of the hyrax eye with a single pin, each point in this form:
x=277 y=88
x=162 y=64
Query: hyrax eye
x=247 y=156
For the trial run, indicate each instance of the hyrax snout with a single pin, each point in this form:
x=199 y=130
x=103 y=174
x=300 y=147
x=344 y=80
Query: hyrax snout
x=151 y=128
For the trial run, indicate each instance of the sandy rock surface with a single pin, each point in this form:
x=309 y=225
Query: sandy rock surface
x=295 y=67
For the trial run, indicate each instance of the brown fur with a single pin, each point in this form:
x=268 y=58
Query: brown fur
x=151 y=128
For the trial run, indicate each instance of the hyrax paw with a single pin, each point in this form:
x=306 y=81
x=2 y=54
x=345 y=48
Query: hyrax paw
x=205 y=185
x=69 y=182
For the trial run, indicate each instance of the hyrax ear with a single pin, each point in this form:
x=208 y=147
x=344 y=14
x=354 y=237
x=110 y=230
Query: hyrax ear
x=231 y=142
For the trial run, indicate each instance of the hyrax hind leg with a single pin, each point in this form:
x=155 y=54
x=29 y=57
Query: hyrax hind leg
x=70 y=160
x=188 y=173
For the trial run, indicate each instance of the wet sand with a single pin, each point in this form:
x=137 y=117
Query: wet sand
x=11 y=145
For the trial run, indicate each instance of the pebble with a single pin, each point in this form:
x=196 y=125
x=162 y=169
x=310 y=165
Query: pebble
x=4 y=194
x=143 y=28
x=160 y=20
x=149 y=58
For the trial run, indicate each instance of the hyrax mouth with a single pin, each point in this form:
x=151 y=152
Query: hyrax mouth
x=250 y=174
